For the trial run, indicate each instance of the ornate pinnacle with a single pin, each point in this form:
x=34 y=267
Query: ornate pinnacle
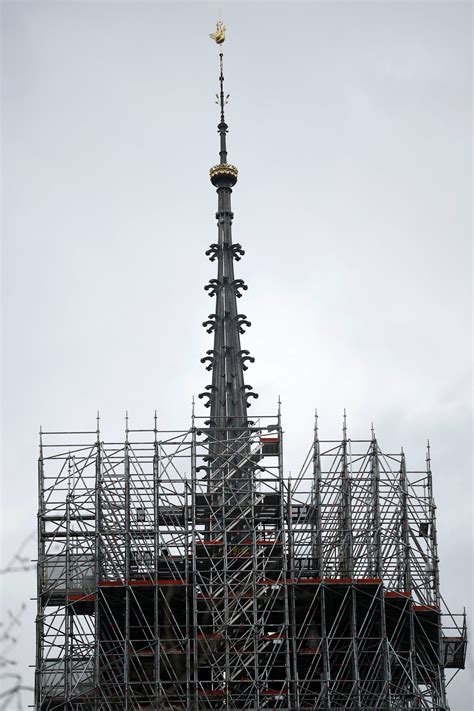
x=227 y=396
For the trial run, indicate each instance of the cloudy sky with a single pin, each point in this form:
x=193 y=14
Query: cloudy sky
x=350 y=123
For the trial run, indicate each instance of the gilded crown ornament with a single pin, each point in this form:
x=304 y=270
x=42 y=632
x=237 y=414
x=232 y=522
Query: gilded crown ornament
x=223 y=169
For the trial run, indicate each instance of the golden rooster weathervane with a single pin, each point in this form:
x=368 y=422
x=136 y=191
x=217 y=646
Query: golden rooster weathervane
x=219 y=34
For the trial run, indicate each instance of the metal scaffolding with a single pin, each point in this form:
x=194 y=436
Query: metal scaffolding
x=182 y=570
x=160 y=587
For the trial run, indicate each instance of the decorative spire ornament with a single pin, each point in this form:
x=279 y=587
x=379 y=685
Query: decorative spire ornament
x=219 y=35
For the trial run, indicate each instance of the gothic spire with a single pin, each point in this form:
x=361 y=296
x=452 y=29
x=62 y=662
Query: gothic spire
x=228 y=395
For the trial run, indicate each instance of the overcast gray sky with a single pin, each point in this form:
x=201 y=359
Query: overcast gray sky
x=350 y=123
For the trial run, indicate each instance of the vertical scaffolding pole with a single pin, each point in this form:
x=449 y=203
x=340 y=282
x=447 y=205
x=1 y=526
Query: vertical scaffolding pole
x=67 y=615
x=97 y=566
x=156 y=575
x=188 y=569
x=406 y=574
x=224 y=590
x=319 y=567
x=39 y=672
x=253 y=584
x=347 y=566
x=126 y=582
x=345 y=534
x=189 y=599
x=290 y=608
x=325 y=652
x=405 y=529
x=316 y=527
x=434 y=570
x=377 y=571
x=288 y=572
x=376 y=551
x=192 y=671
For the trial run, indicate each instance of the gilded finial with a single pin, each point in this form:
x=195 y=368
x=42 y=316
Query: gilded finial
x=219 y=34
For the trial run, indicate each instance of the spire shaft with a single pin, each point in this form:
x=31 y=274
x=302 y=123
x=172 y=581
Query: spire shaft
x=228 y=394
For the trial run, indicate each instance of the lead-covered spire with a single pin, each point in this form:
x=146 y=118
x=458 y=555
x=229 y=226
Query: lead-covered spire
x=228 y=395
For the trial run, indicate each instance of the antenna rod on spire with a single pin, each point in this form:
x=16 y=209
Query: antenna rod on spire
x=222 y=127
x=221 y=82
